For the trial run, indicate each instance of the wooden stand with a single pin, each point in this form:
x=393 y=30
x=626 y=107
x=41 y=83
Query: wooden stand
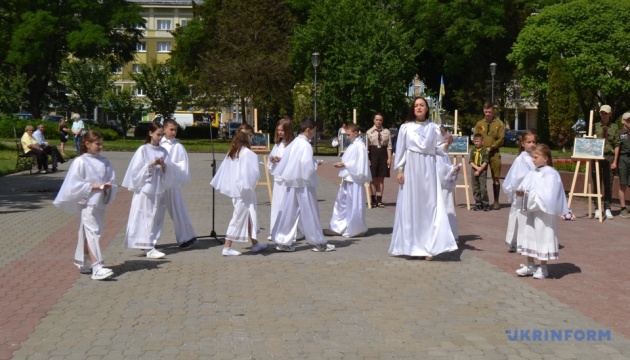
x=267 y=176
x=587 y=192
x=460 y=158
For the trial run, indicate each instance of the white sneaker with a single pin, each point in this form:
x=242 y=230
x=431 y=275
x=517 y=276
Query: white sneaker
x=608 y=214
x=285 y=248
x=541 y=273
x=596 y=214
x=230 y=252
x=155 y=254
x=259 y=247
x=323 y=248
x=526 y=270
x=102 y=274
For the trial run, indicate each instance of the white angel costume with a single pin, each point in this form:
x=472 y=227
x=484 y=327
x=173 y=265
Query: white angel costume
x=299 y=207
x=348 y=217
x=77 y=197
x=545 y=202
x=237 y=179
x=148 y=184
x=521 y=166
x=448 y=179
x=421 y=226
x=173 y=197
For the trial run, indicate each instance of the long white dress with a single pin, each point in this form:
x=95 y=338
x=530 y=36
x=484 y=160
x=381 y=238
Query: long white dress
x=148 y=184
x=421 y=226
x=546 y=201
x=348 y=217
x=448 y=178
x=299 y=207
x=77 y=197
x=237 y=179
x=173 y=196
x=522 y=165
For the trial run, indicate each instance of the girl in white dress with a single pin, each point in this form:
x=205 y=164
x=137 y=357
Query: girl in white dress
x=283 y=137
x=87 y=189
x=421 y=226
x=448 y=178
x=522 y=165
x=543 y=196
x=348 y=217
x=149 y=174
x=237 y=177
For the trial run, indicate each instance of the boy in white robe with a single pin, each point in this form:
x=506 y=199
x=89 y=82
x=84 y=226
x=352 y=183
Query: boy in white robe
x=543 y=196
x=87 y=189
x=149 y=174
x=184 y=231
x=348 y=217
x=297 y=171
x=237 y=177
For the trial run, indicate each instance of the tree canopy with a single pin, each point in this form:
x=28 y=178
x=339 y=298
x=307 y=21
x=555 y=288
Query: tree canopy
x=162 y=85
x=39 y=34
x=86 y=82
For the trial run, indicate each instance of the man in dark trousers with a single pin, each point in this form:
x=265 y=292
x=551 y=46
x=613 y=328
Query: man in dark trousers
x=493 y=132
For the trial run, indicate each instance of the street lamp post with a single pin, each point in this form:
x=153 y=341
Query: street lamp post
x=315 y=58
x=516 y=100
x=493 y=70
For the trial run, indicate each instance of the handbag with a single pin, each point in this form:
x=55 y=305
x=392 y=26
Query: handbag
x=335 y=142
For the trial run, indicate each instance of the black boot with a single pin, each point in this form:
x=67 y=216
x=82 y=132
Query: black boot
x=379 y=201
x=373 y=199
x=496 y=188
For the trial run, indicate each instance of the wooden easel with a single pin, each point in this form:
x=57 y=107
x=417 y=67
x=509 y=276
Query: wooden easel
x=587 y=192
x=268 y=181
x=461 y=158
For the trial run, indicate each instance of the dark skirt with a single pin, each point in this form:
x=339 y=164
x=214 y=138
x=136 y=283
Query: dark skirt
x=378 y=162
x=63 y=136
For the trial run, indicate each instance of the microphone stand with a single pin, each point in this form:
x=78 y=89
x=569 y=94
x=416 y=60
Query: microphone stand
x=213 y=165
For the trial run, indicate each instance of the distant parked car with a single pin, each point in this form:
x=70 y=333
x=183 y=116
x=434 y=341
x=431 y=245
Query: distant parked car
x=53 y=118
x=24 y=116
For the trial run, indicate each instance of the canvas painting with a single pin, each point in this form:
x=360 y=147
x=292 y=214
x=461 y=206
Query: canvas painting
x=588 y=148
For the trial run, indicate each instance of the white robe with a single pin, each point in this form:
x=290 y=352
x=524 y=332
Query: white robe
x=546 y=201
x=421 y=226
x=299 y=207
x=77 y=197
x=348 y=217
x=237 y=179
x=173 y=197
x=516 y=220
x=448 y=178
x=148 y=184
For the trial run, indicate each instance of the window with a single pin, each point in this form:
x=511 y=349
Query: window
x=183 y=22
x=140 y=92
x=136 y=68
x=117 y=89
x=164 y=46
x=118 y=70
x=141 y=46
x=164 y=24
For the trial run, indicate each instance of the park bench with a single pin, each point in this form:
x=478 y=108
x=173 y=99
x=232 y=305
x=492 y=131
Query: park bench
x=319 y=142
x=24 y=161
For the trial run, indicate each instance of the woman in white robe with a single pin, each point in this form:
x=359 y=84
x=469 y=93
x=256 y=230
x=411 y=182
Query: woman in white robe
x=149 y=174
x=87 y=189
x=544 y=198
x=521 y=166
x=283 y=137
x=185 y=234
x=421 y=226
x=348 y=217
x=237 y=177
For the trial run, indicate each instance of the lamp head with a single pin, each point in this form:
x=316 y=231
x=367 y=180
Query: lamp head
x=493 y=68
x=315 y=59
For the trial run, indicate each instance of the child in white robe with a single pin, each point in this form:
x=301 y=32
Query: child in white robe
x=184 y=231
x=448 y=178
x=522 y=165
x=543 y=196
x=283 y=137
x=149 y=174
x=87 y=189
x=237 y=177
x=348 y=217
x=299 y=205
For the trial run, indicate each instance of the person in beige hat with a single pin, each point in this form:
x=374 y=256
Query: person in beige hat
x=623 y=164
x=610 y=133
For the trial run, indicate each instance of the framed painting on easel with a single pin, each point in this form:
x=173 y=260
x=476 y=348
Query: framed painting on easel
x=588 y=148
x=459 y=146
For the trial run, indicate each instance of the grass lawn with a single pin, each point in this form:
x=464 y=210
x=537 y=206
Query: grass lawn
x=8 y=152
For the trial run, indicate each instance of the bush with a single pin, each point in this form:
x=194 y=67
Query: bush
x=8 y=121
x=108 y=134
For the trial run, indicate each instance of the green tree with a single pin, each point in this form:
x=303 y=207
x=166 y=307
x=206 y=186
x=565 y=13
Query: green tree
x=125 y=104
x=39 y=34
x=86 y=82
x=563 y=103
x=12 y=89
x=365 y=59
x=593 y=38
x=164 y=88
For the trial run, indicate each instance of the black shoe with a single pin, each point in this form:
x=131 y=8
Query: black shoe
x=486 y=208
x=477 y=208
x=188 y=244
x=54 y=170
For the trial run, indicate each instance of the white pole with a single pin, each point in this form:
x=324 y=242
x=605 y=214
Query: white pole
x=354 y=115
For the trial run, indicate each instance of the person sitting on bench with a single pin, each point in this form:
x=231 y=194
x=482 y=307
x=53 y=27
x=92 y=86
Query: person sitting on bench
x=48 y=149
